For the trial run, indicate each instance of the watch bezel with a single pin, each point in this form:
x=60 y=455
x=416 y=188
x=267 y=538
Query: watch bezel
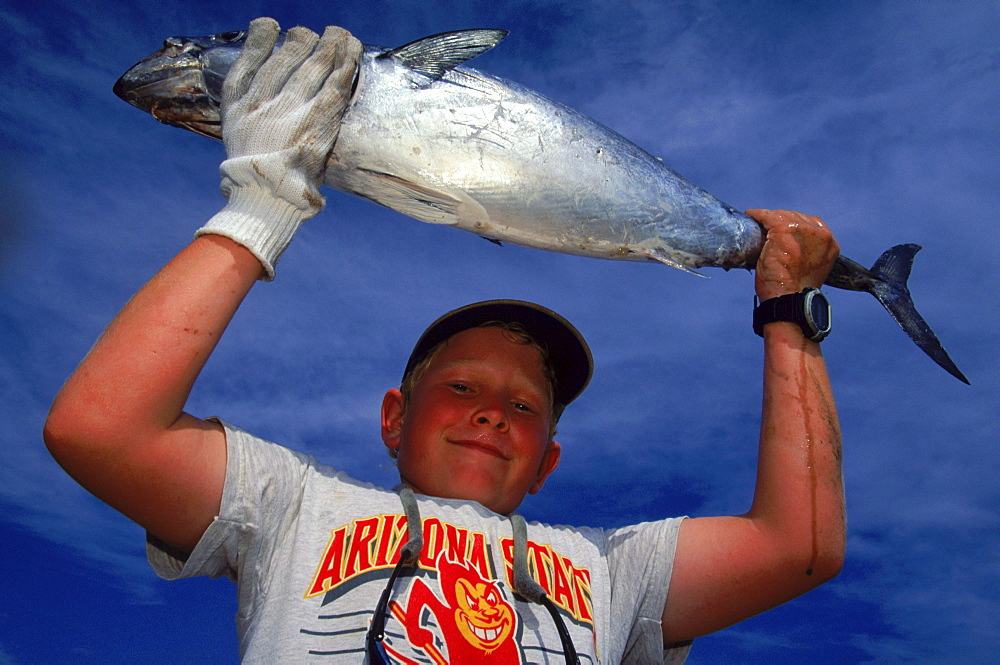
x=818 y=333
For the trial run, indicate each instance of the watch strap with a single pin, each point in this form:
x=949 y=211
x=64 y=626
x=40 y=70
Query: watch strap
x=790 y=307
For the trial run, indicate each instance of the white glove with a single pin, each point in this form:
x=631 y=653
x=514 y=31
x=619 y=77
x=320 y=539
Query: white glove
x=280 y=117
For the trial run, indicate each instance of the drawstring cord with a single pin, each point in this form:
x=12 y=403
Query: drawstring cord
x=407 y=556
x=414 y=529
x=526 y=585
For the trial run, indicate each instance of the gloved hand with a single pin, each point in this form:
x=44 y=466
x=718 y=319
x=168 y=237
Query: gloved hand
x=280 y=117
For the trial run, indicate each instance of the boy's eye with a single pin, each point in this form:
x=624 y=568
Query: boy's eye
x=521 y=406
x=460 y=387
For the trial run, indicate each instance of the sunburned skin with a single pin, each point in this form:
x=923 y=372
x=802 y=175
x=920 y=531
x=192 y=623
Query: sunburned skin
x=477 y=424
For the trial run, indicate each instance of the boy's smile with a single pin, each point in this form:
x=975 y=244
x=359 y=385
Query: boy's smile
x=477 y=423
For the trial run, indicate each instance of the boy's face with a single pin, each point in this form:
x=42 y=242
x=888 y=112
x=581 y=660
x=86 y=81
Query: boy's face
x=477 y=423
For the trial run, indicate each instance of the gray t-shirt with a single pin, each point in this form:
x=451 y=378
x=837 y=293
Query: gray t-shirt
x=311 y=550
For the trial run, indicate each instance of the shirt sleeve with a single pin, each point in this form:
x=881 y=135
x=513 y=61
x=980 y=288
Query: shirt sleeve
x=640 y=560
x=261 y=477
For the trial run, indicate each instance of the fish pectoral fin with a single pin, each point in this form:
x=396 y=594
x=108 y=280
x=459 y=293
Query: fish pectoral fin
x=423 y=203
x=662 y=256
x=434 y=56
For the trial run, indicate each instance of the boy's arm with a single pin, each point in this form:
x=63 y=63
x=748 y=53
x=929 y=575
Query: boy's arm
x=730 y=568
x=118 y=426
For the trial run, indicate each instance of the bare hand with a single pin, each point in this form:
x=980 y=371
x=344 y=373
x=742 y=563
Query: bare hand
x=798 y=252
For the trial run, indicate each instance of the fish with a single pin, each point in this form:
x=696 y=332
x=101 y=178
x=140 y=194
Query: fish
x=444 y=143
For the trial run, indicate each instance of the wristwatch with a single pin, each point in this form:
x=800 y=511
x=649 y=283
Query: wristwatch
x=809 y=308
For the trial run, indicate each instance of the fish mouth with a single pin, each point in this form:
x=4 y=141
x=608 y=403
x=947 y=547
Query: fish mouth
x=170 y=85
x=150 y=74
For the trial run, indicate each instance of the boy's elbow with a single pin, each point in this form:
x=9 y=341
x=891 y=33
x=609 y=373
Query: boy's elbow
x=85 y=444
x=826 y=560
x=828 y=567
x=62 y=431
x=805 y=563
x=71 y=429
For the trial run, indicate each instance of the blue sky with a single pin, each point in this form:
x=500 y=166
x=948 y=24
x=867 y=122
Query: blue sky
x=878 y=116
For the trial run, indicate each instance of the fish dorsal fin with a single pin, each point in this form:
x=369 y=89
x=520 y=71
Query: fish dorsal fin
x=434 y=56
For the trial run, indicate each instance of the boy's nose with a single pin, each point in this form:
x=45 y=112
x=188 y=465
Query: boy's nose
x=491 y=417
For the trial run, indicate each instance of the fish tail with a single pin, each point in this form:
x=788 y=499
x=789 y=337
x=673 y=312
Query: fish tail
x=886 y=280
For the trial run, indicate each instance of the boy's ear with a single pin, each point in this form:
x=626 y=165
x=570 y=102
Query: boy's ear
x=550 y=460
x=392 y=418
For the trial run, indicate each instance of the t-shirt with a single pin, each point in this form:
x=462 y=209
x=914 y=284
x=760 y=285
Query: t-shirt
x=311 y=551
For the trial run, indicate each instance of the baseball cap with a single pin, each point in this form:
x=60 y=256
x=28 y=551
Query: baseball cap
x=568 y=353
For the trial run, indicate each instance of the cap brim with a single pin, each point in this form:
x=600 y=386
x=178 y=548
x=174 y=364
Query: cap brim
x=568 y=353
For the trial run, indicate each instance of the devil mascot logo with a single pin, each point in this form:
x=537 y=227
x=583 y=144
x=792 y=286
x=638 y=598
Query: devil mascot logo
x=473 y=624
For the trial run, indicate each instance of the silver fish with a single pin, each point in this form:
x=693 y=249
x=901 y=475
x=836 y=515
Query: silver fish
x=451 y=145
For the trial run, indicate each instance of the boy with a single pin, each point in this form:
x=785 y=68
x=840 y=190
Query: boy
x=441 y=569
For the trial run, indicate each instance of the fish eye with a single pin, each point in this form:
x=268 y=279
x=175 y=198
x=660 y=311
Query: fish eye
x=231 y=36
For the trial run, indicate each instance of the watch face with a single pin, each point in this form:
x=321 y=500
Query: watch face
x=818 y=311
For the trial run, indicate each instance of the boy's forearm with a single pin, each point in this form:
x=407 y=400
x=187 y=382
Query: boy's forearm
x=727 y=569
x=799 y=492
x=141 y=370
